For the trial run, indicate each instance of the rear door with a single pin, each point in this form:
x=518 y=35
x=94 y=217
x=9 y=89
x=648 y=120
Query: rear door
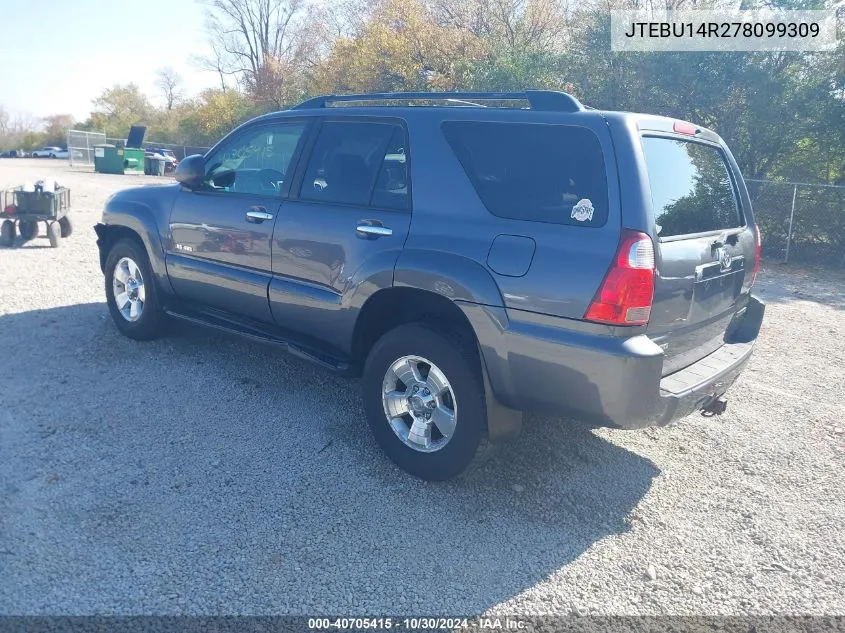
x=347 y=222
x=705 y=246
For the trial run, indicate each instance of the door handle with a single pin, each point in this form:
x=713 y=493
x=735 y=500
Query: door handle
x=257 y=215
x=370 y=230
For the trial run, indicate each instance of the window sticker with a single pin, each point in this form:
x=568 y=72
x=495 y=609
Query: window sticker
x=583 y=211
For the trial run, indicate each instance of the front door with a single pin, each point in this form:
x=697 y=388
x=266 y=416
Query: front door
x=219 y=247
x=347 y=225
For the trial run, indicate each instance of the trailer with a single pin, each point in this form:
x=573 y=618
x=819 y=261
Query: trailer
x=22 y=210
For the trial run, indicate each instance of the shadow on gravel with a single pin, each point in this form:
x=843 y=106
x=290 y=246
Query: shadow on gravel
x=201 y=473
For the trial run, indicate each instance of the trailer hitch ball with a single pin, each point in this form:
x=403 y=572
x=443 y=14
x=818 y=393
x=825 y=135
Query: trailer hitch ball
x=716 y=406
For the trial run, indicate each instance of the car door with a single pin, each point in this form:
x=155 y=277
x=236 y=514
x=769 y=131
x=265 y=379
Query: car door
x=347 y=223
x=220 y=234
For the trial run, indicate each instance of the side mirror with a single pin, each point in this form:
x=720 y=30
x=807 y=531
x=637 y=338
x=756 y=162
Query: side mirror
x=191 y=171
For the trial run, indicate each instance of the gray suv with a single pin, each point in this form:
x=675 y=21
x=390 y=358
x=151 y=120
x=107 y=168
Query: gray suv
x=470 y=255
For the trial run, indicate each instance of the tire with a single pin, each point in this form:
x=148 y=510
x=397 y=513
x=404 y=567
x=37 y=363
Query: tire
x=28 y=230
x=149 y=324
x=456 y=359
x=66 y=226
x=7 y=233
x=54 y=232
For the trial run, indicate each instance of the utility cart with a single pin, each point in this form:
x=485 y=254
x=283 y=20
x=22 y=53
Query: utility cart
x=22 y=210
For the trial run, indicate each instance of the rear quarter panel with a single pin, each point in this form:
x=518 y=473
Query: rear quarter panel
x=568 y=263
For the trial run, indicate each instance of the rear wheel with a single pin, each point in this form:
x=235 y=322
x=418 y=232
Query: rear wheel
x=131 y=292
x=66 y=226
x=7 y=233
x=28 y=230
x=424 y=399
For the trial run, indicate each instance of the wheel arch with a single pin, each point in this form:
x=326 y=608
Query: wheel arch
x=109 y=234
x=391 y=307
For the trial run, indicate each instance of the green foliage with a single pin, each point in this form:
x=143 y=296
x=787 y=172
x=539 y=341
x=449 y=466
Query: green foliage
x=119 y=108
x=783 y=114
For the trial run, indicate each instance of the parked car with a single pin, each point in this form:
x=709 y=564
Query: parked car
x=13 y=153
x=469 y=263
x=49 y=152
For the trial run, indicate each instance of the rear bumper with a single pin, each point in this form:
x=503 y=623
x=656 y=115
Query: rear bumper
x=591 y=373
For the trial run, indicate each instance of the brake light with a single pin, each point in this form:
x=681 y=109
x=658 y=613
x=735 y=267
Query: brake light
x=757 y=246
x=10 y=209
x=682 y=127
x=626 y=293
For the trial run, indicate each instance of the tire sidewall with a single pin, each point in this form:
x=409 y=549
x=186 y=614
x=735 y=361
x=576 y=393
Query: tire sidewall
x=66 y=227
x=457 y=365
x=28 y=229
x=147 y=326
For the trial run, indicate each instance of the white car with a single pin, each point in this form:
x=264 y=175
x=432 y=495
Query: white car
x=50 y=152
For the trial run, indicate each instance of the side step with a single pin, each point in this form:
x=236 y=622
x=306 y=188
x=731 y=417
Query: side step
x=261 y=335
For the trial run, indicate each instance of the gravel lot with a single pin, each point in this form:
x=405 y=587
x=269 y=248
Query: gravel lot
x=206 y=474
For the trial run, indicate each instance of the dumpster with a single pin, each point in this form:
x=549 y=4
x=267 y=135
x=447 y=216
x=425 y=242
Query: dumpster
x=108 y=159
x=133 y=160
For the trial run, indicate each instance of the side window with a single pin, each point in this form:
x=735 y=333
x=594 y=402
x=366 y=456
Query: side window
x=691 y=187
x=256 y=161
x=358 y=163
x=535 y=172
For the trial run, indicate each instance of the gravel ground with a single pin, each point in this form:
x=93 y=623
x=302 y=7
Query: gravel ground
x=206 y=474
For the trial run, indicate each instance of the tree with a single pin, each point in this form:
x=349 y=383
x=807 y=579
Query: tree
x=262 y=43
x=19 y=132
x=215 y=113
x=401 y=47
x=119 y=108
x=56 y=127
x=170 y=83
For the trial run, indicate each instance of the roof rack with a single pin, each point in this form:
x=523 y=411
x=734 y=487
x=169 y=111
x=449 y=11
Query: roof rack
x=542 y=100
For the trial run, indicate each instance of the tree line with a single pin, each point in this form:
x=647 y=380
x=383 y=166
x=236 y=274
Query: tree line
x=782 y=113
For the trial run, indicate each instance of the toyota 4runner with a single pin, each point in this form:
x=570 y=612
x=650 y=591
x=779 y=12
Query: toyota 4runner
x=471 y=255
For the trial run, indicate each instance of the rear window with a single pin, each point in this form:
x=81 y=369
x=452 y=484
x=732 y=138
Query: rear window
x=528 y=171
x=691 y=187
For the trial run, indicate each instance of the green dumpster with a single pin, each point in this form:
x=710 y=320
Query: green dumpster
x=108 y=159
x=133 y=160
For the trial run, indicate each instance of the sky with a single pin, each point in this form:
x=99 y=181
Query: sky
x=56 y=56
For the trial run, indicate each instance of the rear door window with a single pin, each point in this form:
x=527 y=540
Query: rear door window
x=359 y=163
x=691 y=187
x=535 y=172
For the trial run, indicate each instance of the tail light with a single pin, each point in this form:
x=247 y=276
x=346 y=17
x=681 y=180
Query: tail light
x=757 y=246
x=10 y=209
x=626 y=293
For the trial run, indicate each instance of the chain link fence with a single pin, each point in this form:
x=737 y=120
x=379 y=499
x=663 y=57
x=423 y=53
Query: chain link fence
x=179 y=151
x=80 y=146
x=800 y=222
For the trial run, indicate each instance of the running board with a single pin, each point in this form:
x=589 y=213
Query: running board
x=322 y=359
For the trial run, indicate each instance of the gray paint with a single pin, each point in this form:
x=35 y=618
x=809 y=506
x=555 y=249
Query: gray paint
x=511 y=255
x=523 y=286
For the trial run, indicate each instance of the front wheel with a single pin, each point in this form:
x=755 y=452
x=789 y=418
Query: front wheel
x=424 y=400
x=131 y=292
x=54 y=234
x=7 y=233
x=28 y=230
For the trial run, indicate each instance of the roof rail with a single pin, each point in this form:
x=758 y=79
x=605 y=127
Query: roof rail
x=542 y=100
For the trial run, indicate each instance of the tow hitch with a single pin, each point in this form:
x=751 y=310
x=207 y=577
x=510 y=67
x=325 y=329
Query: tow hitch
x=716 y=406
